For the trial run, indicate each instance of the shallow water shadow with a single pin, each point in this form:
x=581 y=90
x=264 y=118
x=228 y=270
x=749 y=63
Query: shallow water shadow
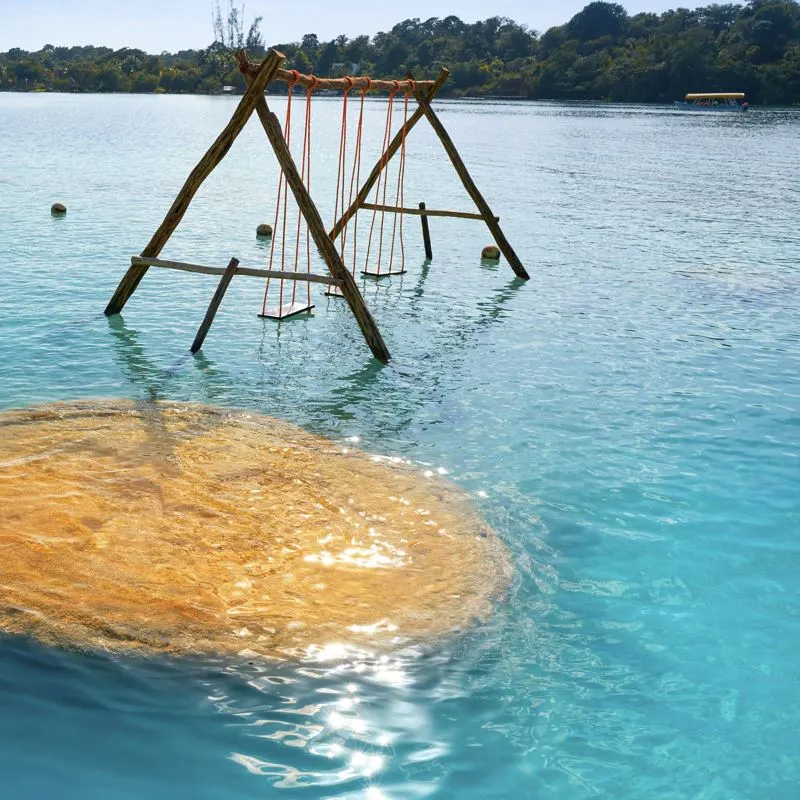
x=411 y=385
x=419 y=289
x=144 y=374
x=351 y=389
x=154 y=382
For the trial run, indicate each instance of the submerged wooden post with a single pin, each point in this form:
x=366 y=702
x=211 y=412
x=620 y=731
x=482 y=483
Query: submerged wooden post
x=383 y=161
x=426 y=234
x=472 y=189
x=213 y=306
x=322 y=240
x=213 y=156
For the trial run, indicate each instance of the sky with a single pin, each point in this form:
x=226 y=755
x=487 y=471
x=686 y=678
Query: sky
x=158 y=25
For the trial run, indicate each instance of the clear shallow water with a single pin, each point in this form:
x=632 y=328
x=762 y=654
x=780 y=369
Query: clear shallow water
x=629 y=421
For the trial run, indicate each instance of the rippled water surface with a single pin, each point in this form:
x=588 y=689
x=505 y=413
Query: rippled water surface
x=628 y=421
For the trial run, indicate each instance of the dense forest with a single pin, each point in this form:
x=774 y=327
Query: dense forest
x=602 y=53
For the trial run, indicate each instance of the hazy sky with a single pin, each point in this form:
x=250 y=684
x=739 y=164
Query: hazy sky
x=156 y=25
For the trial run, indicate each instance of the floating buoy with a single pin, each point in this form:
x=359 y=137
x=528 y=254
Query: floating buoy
x=491 y=252
x=58 y=208
x=264 y=231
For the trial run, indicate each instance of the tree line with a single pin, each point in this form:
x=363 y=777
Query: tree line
x=602 y=53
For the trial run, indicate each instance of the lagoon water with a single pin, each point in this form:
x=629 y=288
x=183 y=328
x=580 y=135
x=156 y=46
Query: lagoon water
x=628 y=421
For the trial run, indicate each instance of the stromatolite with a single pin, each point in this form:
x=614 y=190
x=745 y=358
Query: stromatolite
x=184 y=528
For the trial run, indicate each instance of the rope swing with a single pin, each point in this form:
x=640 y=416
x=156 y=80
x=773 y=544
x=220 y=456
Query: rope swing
x=355 y=177
x=379 y=205
x=340 y=170
x=281 y=211
x=343 y=198
x=399 y=196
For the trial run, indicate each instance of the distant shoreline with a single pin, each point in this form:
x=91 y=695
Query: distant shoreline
x=448 y=98
x=602 y=54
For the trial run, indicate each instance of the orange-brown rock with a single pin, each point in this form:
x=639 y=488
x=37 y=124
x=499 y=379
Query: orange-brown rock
x=182 y=528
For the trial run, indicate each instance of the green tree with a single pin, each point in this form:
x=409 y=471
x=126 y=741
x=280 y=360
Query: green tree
x=601 y=53
x=326 y=59
x=598 y=19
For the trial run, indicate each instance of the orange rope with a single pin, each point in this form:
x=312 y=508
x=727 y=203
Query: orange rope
x=355 y=175
x=399 y=199
x=384 y=159
x=340 y=171
x=287 y=133
x=305 y=176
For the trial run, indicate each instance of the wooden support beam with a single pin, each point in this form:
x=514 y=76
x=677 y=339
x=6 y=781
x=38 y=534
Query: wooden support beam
x=426 y=233
x=306 y=277
x=422 y=211
x=358 y=83
x=491 y=221
x=393 y=147
x=213 y=156
x=322 y=240
x=213 y=306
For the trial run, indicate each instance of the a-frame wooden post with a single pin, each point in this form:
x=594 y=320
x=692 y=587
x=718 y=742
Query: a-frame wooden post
x=213 y=156
x=491 y=221
x=313 y=219
x=257 y=78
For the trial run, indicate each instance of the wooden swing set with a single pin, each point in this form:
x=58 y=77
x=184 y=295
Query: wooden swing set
x=351 y=196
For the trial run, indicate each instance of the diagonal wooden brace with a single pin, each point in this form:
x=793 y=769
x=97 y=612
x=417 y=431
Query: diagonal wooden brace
x=491 y=221
x=205 y=166
x=322 y=240
x=383 y=161
x=213 y=307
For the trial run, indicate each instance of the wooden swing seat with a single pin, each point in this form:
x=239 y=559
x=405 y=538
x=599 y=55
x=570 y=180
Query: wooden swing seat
x=287 y=310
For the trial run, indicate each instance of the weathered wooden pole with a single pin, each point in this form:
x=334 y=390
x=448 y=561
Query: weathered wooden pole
x=316 y=227
x=354 y=82
x=213 y=156
x=213 y=306
x=426 y=234
x=383 y=161
x=428 y=212
x=472 y=189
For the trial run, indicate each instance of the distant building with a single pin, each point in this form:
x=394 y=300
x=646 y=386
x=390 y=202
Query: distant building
x=227 y=88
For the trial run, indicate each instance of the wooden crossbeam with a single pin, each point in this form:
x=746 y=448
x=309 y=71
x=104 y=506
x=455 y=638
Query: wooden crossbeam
x=213 y=156
x=353 y=83
x=322 y=240
x=383 y=161
x=472 y=190
x=183 y=266
x=422 y=212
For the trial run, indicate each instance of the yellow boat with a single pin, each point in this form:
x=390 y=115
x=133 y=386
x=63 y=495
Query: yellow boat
x=713 y=101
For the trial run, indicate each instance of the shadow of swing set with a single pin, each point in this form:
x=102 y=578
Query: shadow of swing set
x=340 y=280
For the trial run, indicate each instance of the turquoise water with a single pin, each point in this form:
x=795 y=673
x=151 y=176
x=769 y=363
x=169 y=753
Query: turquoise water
x=628 y=421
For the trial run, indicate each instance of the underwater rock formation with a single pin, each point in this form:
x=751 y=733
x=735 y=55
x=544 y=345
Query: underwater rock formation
x=183 y=528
